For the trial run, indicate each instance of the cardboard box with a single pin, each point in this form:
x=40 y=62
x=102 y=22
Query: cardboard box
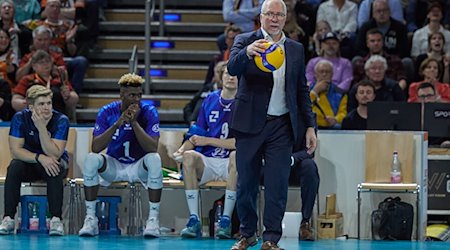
x=331 y=227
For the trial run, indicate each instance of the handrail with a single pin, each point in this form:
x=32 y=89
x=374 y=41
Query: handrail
x=149 y=11
x=162 y=24
x=133 y=61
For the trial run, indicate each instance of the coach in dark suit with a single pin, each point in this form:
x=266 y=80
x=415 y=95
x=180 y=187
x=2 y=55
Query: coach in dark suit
x=270 y=110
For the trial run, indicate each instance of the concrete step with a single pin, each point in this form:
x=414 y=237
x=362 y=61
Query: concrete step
x=186 y=4
x=166 y=116
x=192 y=28
x=186 y=72
x=110 y=84
x=170 y=108
x=166 y=101
x=171 y=15
x=156 y=55
x=172 y=43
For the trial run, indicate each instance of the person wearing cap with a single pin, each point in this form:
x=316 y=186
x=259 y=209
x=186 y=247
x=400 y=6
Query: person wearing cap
x=37 y=140
x=342 y=67
x=420 y=37
x=129 y=130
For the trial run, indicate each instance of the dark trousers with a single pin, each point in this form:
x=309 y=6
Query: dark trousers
x=274 y=145
x=20 y=171
x=306 y=175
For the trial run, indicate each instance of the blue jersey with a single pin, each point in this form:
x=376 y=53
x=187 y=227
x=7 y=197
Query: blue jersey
x=214 y=117
x=22 y=126
x=124 y=145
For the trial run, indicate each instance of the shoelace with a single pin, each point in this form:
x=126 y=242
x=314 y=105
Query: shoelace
x=224 y=222
x=192 y=221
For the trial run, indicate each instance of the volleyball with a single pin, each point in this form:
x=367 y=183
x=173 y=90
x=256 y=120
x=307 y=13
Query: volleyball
x=271 y=59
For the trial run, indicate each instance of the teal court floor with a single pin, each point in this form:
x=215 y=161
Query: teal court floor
x=73 y=242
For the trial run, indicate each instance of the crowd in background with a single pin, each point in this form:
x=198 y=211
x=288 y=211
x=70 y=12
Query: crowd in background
x=358 y=51
x=45 y=42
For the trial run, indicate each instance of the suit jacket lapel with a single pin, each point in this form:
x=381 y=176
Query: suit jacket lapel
x=290 y=55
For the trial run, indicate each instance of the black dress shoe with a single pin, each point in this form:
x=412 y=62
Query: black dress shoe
x=244 y=243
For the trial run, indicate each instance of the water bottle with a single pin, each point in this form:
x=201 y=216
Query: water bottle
x=102 y=213
x=396 y=173
x=217 y=217
x=48 y=218
x=34 y=219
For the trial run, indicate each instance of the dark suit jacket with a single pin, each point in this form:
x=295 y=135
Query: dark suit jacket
x=255 y=87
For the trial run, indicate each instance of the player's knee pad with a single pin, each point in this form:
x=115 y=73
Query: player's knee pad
x=92 y=164
x=152 y=162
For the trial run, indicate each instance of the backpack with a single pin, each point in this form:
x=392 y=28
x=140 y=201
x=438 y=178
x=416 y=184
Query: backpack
x=393 y=220
x=234 y=218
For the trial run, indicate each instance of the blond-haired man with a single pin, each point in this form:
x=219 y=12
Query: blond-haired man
x=37 y=140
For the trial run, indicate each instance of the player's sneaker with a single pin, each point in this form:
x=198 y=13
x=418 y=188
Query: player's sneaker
x=56 y=227
x=90 y=226
x=193 y=228
x=7 y=226
x=224 y=230
x=152 y=228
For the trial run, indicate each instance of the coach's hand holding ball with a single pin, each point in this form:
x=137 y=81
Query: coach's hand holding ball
x=268 y=56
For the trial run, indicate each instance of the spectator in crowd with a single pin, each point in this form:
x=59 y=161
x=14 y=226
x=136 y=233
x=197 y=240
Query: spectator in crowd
x=292 y=29
x=191 y=110
x=129 y=130
x=374 y=42
x=394 y=32
x=209 y=155
x=420 y=37
x=231 y=31
x=27 y=10
x=342 y=67
x=436 y=44
x=64 y=98
x=357 y=118
x=416 y=16
x=322 y=28
x=64 y=41
x=6 y=110
x=41 y=41
x=19 y=35
x=426 y=93
x=37 y=140
x=386 y=89
x=8 y=60
x=305 y=13
x=85 y=13
x=329 y=103
x=242 y=13
x=366 y=7
x=341 y=15
x=430 y=71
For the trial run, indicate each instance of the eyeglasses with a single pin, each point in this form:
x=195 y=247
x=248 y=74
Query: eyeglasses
x=272 y=15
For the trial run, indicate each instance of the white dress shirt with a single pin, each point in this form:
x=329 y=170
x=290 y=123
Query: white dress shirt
x=343 y=20
x=277 y=103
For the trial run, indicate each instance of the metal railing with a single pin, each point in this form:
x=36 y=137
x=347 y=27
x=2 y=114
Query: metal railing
x=149 y=12
x=133 y=61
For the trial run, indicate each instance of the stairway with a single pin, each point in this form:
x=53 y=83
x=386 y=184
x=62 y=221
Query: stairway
x=179 y=58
